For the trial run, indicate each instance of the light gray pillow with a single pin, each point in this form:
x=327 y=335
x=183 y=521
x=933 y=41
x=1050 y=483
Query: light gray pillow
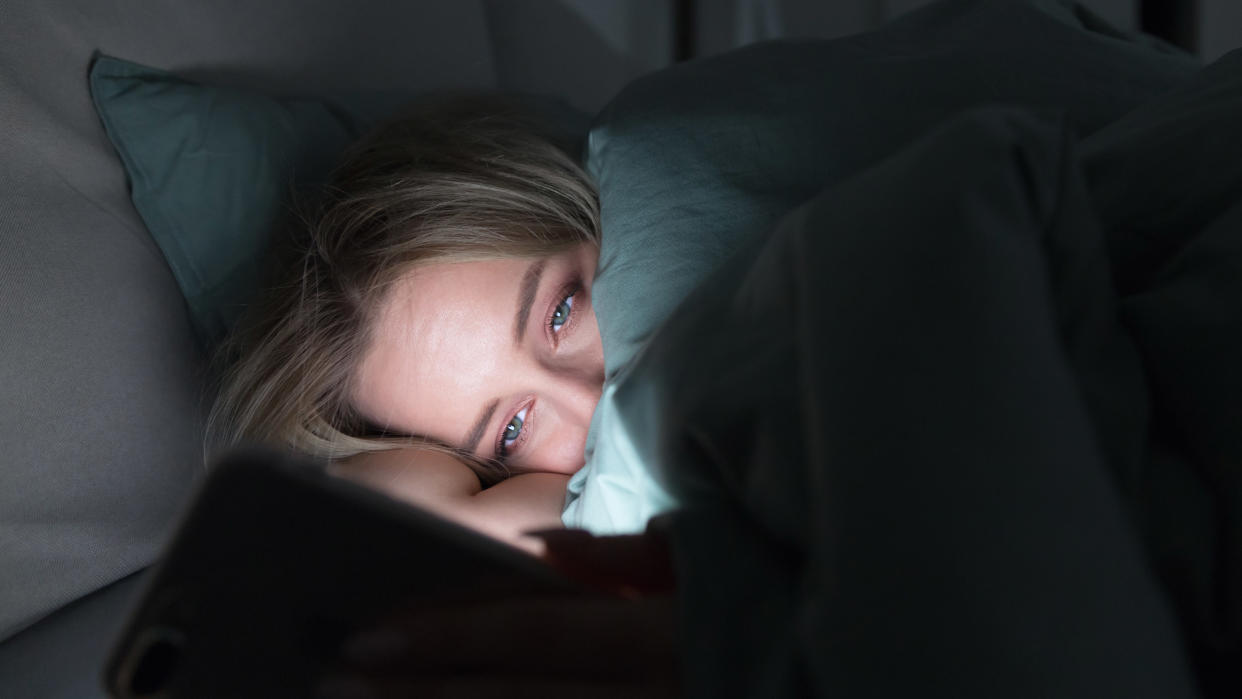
x=100 y=409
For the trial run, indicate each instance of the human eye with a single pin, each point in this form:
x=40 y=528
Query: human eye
x=511 y=433
x=560 y=314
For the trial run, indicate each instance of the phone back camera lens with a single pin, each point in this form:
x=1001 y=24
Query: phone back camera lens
x=153 y=672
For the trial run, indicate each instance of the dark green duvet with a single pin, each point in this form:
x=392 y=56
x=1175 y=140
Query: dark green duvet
x=950 y=404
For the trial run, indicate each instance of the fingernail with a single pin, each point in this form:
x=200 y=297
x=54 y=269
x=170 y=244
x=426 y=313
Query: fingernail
x=376 y=646
x=560 y=534
x=562 y=539
x=343 y=687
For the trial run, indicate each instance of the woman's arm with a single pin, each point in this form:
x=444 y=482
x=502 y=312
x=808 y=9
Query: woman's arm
x=442 y=484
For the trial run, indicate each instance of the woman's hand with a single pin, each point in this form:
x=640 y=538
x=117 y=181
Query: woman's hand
x=621 y=641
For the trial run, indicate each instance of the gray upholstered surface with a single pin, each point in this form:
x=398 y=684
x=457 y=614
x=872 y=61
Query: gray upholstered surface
x=100 y=379
x=99 y=375
x=64 y=654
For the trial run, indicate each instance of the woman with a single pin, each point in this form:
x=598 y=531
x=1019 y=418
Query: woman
x=434 y=337
x=433 y=333
x=812 y=586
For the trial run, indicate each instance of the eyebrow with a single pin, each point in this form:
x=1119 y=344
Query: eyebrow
x=476 y=432
x=526 y=298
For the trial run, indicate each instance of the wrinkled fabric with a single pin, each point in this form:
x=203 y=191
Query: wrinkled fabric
x=876 y=425
x=696 y=161
x=964 y=422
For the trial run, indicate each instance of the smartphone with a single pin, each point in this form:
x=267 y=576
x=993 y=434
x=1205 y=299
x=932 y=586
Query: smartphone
x=276 y=562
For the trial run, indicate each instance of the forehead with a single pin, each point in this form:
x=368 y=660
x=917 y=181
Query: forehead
x=440 y=334
x=433 y=280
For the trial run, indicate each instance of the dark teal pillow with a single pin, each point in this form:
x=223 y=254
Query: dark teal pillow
x=210 y=170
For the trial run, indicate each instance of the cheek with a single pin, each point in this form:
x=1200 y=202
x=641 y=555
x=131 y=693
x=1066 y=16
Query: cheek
x=567 y=456
x=594 y=353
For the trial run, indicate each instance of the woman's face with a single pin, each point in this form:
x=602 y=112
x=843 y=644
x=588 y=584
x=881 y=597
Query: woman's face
x=500 y=358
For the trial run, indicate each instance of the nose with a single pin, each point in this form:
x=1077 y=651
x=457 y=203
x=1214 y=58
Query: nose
x=578 y=378
x=579 y=391
x=568 y=399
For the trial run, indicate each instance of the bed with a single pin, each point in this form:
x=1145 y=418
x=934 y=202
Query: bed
x=1115 y=517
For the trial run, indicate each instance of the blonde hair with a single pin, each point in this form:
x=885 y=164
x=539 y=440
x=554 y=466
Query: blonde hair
x=460 y=178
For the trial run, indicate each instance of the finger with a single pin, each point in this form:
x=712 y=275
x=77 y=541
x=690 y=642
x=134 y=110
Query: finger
x=616 y=635
x=588 y=635
x=628 y=565
x=489 y=687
